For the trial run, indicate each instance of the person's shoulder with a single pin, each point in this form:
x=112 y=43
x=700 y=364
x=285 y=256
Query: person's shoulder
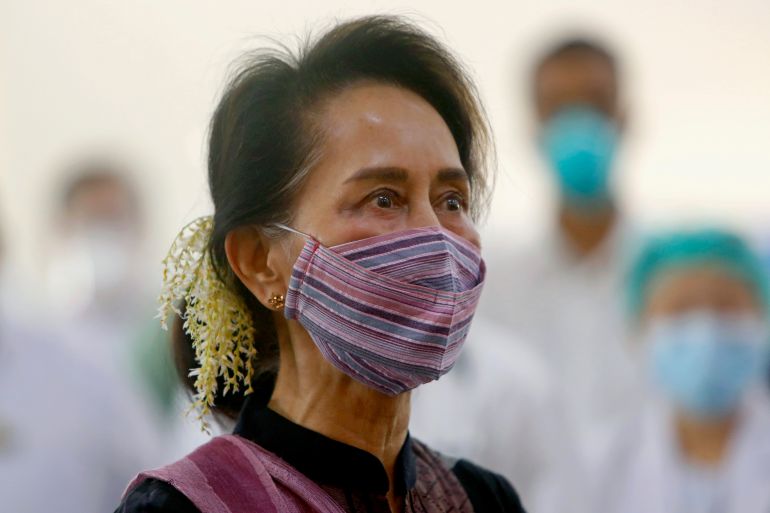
x=155 y=496
x=488 y=492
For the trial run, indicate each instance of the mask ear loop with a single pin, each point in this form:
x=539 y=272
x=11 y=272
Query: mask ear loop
x=282 y=226
x=292 y=230
x=308 y=238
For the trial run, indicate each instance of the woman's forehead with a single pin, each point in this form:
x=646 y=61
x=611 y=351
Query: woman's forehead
x=380 y=125
x=705 y=280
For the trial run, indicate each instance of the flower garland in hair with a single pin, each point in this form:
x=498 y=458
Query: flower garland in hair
x=215 y=317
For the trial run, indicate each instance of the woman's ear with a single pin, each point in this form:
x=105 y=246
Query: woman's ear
x=249 y=252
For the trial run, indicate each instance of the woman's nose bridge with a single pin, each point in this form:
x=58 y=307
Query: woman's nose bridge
x=422 y=213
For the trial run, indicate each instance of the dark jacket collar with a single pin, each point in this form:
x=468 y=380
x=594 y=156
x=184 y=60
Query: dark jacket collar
x=322 y=459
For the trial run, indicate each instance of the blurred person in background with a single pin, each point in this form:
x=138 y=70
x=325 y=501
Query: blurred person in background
x=100 y=221
x=97 y=280
x=699 y=302
x=69 y=434
x=560 y=296
x=96 y=270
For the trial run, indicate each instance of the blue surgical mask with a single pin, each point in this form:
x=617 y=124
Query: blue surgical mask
x=579 y=144
x=704 y=362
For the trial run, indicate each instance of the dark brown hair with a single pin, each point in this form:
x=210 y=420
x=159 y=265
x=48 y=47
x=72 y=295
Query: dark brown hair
x=570 y=46
x=265 y=134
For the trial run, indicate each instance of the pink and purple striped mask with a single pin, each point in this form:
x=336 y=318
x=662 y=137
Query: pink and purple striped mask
x=391 y=311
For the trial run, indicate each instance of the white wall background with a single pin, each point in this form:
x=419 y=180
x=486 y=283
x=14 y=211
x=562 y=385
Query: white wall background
x=140 y=78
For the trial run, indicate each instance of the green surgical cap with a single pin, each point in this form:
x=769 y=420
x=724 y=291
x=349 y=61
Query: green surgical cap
x=692 y=248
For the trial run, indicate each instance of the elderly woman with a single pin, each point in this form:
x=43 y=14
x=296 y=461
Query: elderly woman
x=341 y=270
x=700 y=300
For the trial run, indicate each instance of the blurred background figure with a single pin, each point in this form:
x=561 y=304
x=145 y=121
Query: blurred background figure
x=97 y=276
x=96 y=261
x=561 y=295
x=699 y=302
x=70 y=434
x=103 y=286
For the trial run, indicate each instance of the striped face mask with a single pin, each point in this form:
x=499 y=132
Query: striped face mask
x=391 y=311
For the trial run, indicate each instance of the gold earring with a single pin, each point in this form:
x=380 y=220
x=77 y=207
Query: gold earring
x=276 y=301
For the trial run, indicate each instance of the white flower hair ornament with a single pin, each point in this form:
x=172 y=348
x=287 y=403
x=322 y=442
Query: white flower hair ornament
x=215 y=317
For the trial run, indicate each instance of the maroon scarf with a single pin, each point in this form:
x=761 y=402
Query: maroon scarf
x=230 y=474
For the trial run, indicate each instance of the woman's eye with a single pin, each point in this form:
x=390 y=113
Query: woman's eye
x=454 y=203
x=384 y=200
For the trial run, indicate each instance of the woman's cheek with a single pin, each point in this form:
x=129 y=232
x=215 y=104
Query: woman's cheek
x=360 y=225
x=462 y=225
x=378 y=218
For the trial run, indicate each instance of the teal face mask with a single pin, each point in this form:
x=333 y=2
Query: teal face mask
x=704 y=362
x=579 y=144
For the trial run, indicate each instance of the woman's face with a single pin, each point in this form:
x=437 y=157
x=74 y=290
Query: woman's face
x=388 y=163
x=706 y=336
x=706 y=287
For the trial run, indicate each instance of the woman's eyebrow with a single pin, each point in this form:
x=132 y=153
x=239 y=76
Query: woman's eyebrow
x=399 y=174
x=452 y=174
x=386 y=174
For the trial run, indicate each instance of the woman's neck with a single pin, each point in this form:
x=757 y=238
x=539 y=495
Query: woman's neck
x=705 y=443
x=313 y=393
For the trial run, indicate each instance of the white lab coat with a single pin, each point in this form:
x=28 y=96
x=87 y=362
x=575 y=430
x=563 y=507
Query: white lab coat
x=495 y=409
x=571 y=312
x=643 y=471
x=70 y=435
x=105 y=337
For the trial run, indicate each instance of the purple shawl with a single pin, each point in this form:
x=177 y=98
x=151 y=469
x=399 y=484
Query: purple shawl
x=230 y=474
